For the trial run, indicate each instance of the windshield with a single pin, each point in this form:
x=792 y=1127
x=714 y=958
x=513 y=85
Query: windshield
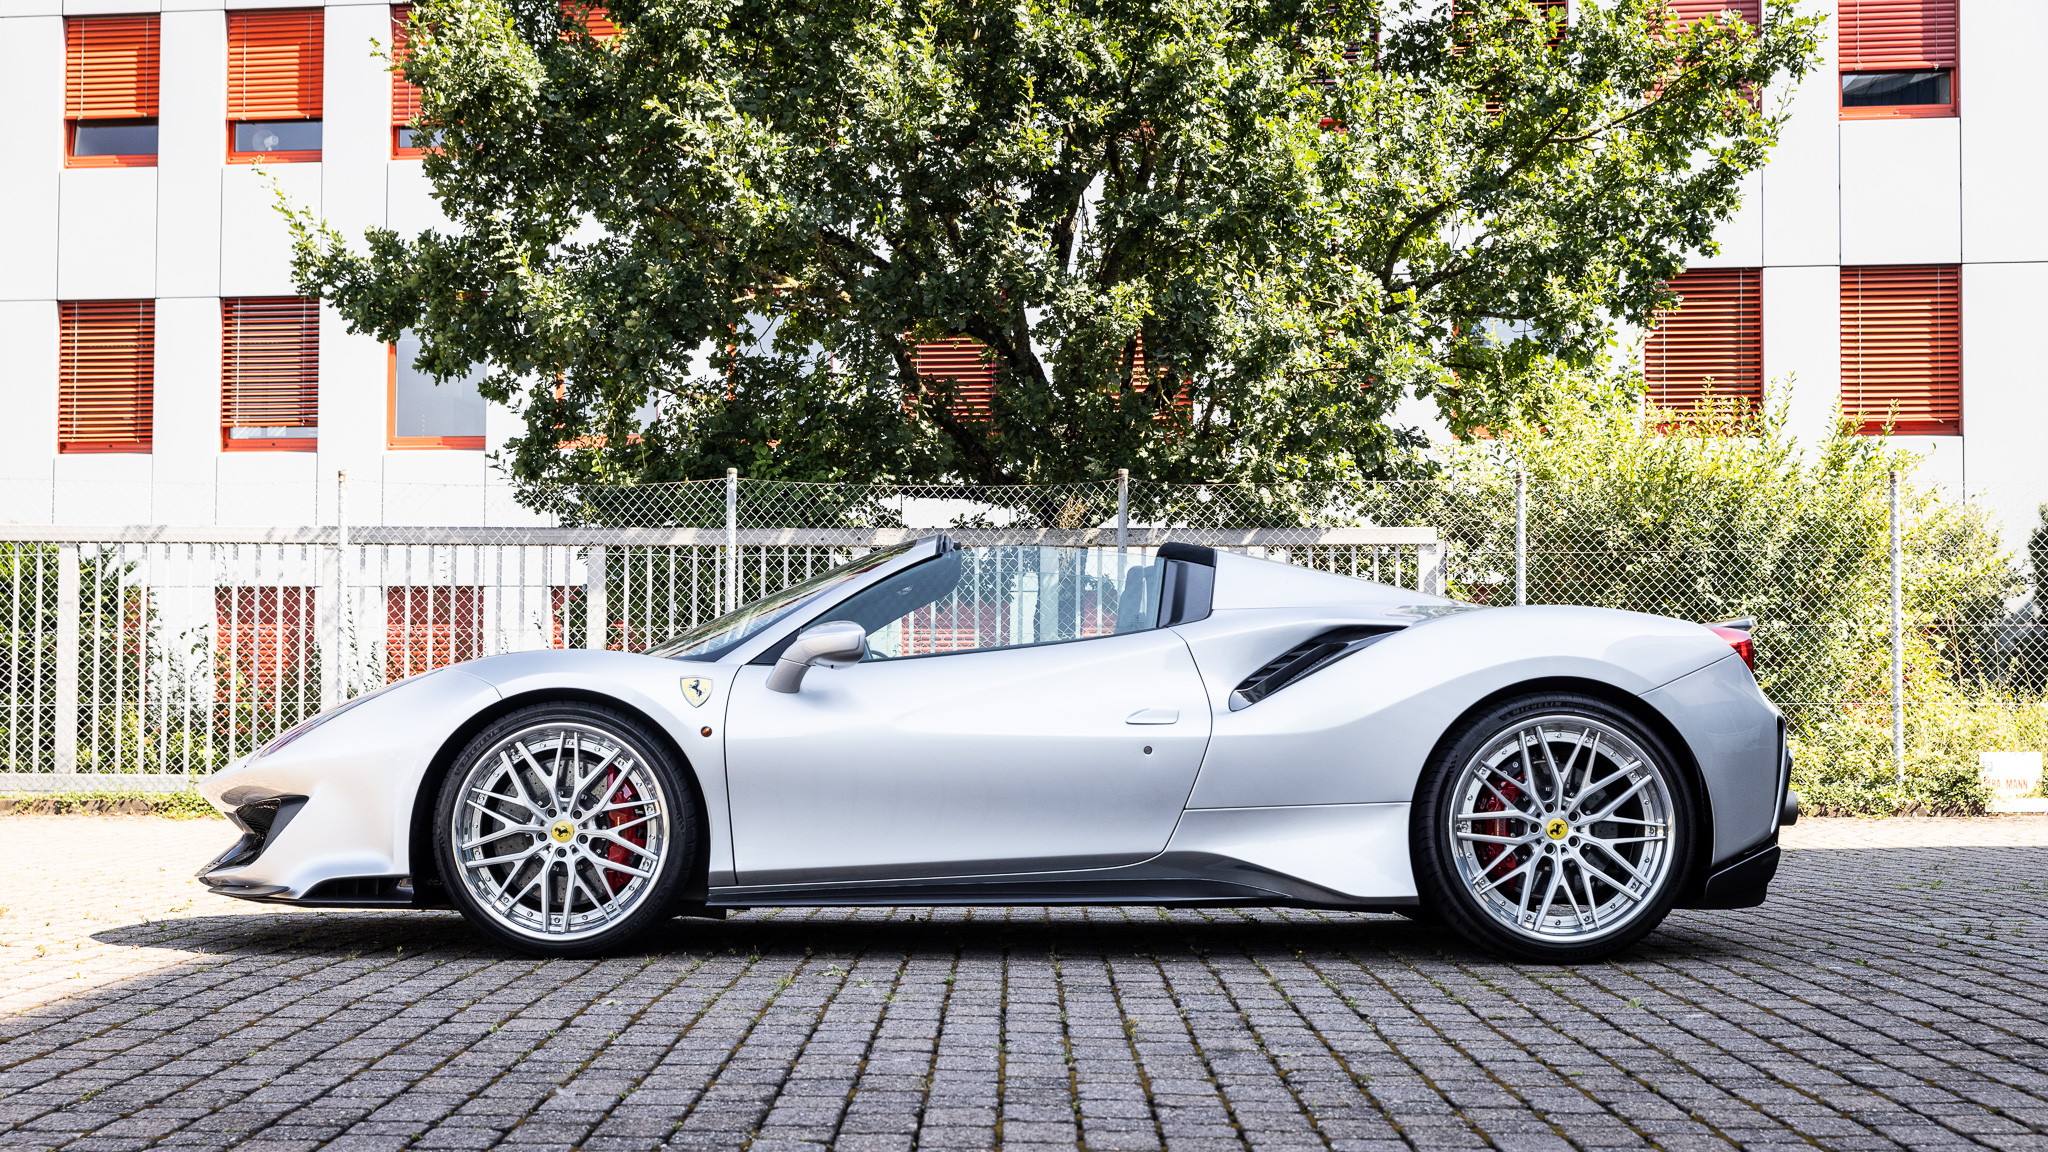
x=714 y=638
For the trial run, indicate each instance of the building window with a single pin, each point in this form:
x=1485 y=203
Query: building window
x=263 y=649
x=1902 y=349
x=592 y=18
x=961 y=364
x=110 y=91
x=1898 y=58
x=407 y=142
x=425 y=628
x=274 y=78
x=106 y=375
x=1687 y=11
x=1708 y=352
x=430 y=414
x=270 y=373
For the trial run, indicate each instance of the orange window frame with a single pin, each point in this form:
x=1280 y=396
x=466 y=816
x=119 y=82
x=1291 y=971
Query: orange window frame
x=1931 y=45
x=270 y=371
x=391 y=437
x=1902 y=349
x=112 y=71
x=106 y=375
x=275 y=72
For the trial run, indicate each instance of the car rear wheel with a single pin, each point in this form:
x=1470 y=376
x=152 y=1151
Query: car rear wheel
x=1554 y=828
x=565 y=829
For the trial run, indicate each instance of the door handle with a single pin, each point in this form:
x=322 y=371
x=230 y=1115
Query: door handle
x=1154 y=716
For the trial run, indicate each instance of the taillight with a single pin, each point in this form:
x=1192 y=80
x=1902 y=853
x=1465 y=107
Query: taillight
x=1740 y=640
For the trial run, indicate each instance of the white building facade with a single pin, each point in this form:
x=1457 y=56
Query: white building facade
x=191 y=231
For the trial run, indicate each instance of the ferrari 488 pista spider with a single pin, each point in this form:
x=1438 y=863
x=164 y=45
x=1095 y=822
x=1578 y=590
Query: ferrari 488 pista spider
x=936 y=724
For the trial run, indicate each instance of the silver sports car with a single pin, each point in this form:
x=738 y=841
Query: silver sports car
x=936 y=724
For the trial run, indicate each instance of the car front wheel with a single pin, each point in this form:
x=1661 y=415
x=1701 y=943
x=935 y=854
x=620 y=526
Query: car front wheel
x=1555 y=829
x=565 y=830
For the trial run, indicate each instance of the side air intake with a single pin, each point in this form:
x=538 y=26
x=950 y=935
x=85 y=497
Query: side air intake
x=1309 y=656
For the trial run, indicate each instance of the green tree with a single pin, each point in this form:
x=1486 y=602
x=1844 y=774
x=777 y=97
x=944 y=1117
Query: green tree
x=1204 y=239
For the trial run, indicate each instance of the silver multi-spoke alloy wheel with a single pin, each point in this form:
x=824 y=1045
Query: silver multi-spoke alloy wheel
x=1562 y=828
x=560 y=831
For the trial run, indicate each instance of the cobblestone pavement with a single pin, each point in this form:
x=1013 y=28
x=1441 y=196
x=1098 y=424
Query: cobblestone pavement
x=1893 y=994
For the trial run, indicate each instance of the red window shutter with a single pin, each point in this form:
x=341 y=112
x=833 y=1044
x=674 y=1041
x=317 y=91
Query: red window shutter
x=106 y=375
x=110 y=67
x=270 y=368
x=594 y=18
x=425 y=628
x=1688 y=11
x=262 y=641
x=1902 y=349
x=405 y=98
x=964 y=361
x=274 y=63
x=1556 y=12
x=1896 y=34
x=1710 y=347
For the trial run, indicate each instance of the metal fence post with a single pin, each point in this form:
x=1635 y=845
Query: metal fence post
x=1521 y=536
x=1123 y=510
x=69 y=606
x=1898 y=640
x=597 y=613
x=337 y=625
x=732 y=539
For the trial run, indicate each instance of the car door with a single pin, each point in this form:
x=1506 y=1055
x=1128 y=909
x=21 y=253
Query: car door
x=1028 y=715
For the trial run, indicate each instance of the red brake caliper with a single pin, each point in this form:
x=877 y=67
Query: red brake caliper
x=1490 y=855
x=636 y=835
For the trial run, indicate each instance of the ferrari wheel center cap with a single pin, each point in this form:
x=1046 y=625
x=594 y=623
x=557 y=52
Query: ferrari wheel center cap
x=1558 y=828
x=563 y=831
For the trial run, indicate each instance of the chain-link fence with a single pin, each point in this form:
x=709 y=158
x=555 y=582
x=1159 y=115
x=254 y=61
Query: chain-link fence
x=1886 y=636
x=160 y=652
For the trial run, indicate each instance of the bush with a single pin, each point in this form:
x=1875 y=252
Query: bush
x=1843 y=767
x=185 y=805
x=1710 y=515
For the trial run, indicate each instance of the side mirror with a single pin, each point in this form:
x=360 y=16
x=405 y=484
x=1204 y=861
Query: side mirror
x=833 y=642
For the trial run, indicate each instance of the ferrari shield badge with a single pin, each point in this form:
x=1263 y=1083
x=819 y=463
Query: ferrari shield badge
x=696 y=689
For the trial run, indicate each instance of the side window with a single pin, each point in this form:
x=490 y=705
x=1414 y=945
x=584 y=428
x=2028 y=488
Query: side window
x=1006 y=596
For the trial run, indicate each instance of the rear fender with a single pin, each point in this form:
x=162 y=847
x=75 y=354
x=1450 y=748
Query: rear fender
x=1360 y=730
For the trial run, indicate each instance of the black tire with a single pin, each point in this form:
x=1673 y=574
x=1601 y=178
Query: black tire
x=1540 y=843
x=634 y=845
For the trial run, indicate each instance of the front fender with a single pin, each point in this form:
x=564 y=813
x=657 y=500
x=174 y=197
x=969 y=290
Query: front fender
x=653 y=687
x=359 y=772
x=1360 y=731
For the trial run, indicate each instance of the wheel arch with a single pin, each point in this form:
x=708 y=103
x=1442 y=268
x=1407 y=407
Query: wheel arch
x=1700 y=860
x=426 y=868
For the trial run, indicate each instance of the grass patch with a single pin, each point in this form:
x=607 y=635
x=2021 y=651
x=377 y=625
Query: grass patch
x=186 y=805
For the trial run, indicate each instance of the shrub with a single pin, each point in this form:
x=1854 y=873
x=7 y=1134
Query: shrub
x=183 y=805
x=1710 y=515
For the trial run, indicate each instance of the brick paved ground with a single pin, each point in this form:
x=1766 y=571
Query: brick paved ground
x=1893 y=995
